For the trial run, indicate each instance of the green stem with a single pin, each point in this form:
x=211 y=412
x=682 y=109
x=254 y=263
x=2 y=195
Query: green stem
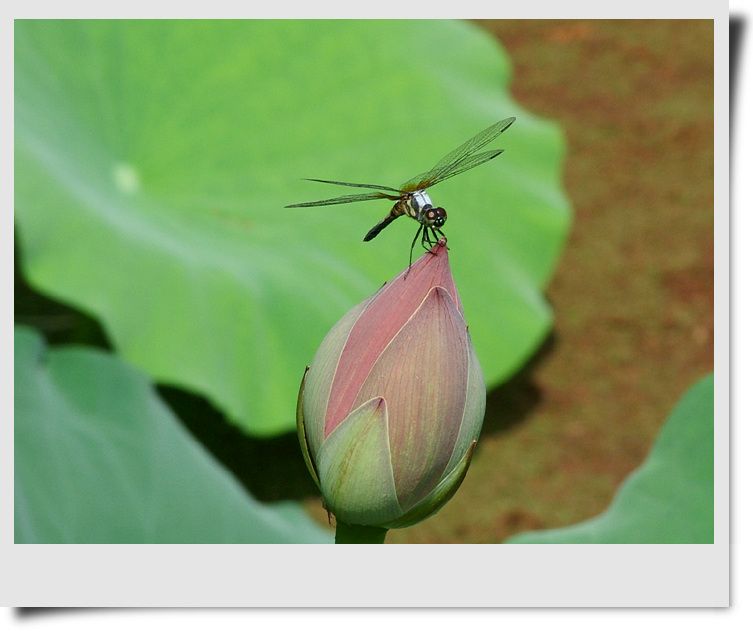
x=358 y=534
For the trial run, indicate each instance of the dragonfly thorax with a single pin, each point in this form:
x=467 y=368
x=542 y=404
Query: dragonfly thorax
x=419 y=200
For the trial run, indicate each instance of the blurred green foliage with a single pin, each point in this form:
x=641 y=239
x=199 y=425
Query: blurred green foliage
x=100 y=459
x=153 y=160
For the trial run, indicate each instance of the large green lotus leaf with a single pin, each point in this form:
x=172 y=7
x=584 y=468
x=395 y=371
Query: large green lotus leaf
x=100 y=458
x=153 y=161
x=670 y=498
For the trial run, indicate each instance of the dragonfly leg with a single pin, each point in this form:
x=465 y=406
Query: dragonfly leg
x=429 y=242
x=426 y=240
x=413 y=243
x=436 y=239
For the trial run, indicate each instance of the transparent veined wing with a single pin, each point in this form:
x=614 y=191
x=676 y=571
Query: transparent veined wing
x=461 y=158
x=354 y=197
x=353 y=184
x=428 y=179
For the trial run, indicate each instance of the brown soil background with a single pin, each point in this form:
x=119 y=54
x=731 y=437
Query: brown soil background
x=633 y=292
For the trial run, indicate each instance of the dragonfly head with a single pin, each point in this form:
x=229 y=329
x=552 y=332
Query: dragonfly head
x=435 y=217
x=425 y=212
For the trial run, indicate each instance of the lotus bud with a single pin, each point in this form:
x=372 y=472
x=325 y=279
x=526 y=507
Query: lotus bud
x=391 y=407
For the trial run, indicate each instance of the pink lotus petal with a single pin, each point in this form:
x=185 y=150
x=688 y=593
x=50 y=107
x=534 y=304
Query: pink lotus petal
x=422 y=375
x=390 y=309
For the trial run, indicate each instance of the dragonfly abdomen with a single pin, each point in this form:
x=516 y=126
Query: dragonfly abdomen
x=401 y=207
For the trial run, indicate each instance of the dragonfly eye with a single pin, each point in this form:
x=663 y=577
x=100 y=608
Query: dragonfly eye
x=438 y=215
x=435 y=217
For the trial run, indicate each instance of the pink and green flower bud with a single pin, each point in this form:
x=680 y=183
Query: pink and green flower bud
x=392 y=405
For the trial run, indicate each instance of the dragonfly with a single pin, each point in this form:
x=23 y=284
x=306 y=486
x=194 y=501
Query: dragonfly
x=411 y=198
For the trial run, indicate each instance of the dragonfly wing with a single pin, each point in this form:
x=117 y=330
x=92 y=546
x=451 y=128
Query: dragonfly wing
x=470 y=163
x=353 y=184
x=429 y=178
x=346 y=199
x=452 y=163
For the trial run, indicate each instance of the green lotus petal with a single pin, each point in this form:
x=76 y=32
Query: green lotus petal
x=153 y=160
x=302 y=435
x=438 y=497
x=355 y=468
x=99 y=458
x=314 y=399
